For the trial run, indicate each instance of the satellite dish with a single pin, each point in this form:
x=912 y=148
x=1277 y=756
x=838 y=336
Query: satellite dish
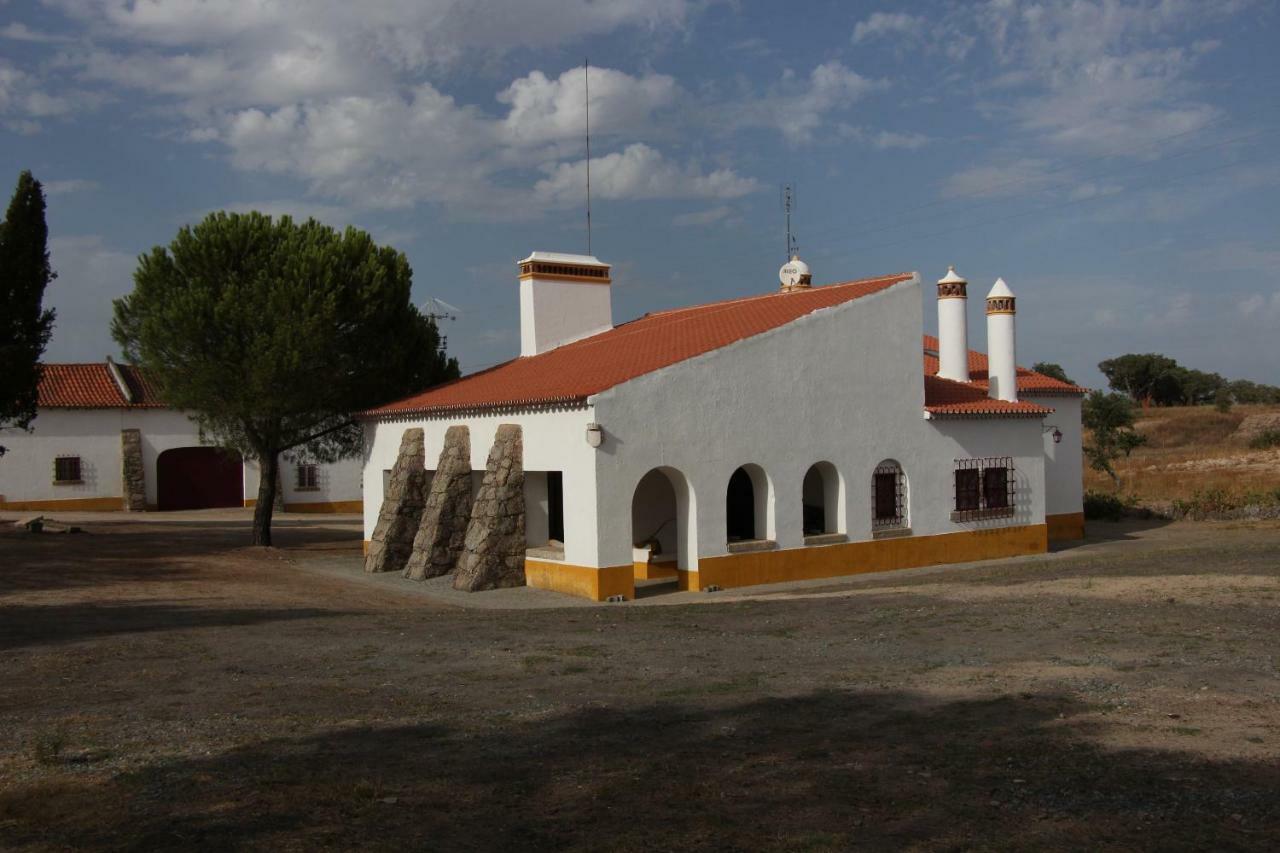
x=795 y=273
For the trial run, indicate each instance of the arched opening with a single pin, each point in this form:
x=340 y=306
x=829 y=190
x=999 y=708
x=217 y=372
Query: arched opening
x=662 y=526
x=889 y=497
x=823 y=511
x=748 y=515
x=199 y=478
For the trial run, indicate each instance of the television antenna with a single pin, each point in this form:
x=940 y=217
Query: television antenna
x=437 y=309
x=789 y=203
x=586 y=100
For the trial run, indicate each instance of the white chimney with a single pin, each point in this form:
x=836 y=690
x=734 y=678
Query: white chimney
x=563 y=298
x=953 y=327
x=1002 y=369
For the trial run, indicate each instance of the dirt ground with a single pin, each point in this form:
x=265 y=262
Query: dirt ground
x=162 y=687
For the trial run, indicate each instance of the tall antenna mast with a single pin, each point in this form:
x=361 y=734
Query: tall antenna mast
x=586 y=89
x=788 y=203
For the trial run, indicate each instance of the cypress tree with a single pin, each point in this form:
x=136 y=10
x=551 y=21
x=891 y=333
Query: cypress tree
x=25 y=324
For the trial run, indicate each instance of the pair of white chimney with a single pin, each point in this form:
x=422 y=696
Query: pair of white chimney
x=953 y=335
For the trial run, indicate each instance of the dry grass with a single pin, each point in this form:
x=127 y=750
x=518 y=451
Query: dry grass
x=1195 y=449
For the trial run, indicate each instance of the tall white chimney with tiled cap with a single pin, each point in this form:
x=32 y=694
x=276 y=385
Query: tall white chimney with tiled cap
x=1002 y=366
x=953 y=326
x=563 y=298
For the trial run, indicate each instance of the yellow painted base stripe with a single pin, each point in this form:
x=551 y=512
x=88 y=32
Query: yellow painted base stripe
x=67 y=505
x=851 y=558
x=653 y=571
x=364 y=547
x=325 y=506
x=1067 y=525
x=582 y=581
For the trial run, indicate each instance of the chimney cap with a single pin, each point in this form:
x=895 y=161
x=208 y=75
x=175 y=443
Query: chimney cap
x=999 y=289
x=564 y=258
x=952 y=277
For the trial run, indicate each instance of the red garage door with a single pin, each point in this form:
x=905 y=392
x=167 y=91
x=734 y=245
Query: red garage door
x=199 y=478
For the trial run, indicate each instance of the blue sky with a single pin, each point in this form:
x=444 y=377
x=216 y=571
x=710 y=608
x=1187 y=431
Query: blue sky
x=1115 y=162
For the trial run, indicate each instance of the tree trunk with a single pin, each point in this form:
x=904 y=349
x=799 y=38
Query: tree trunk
x=268 y=479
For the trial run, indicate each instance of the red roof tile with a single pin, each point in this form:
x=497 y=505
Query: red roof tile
x=945 y=397
x=91 y=386
x=1030 y=383
x=575 y=371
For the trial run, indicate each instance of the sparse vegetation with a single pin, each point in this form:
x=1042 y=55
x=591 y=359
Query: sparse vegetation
x=1266 y=439
x=1103 y=506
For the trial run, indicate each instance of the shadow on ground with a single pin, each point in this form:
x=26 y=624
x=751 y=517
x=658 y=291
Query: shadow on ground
x=823 y=771
x=55 y=624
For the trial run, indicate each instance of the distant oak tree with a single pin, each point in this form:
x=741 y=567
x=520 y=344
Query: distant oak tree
x=272 y=334
x=1049 y=368
x=25 y=324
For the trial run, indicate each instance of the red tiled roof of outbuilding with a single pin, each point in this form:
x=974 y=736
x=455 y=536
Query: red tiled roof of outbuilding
x=91 y=386
x=573 y=372
x=945 y=397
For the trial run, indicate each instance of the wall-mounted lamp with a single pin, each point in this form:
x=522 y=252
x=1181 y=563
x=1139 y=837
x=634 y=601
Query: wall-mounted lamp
x=595 y=435
x=1057 y=433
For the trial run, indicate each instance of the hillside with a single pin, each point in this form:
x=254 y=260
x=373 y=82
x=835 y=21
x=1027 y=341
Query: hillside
x=1198 y=449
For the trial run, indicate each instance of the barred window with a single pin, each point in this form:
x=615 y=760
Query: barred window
x=66 y=469
x=984 y=488
x=888 y=493
x=308 y=478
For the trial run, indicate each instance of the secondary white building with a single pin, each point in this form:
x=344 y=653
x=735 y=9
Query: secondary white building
x=104 y=440
x=798 y=433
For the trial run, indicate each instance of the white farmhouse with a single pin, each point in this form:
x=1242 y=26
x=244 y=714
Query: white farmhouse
x=104 y=440
x=800 y=433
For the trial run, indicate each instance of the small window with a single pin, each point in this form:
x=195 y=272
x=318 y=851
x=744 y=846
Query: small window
x=888 y=498
x=308 y=478
x=66 y=469
x=984 y=488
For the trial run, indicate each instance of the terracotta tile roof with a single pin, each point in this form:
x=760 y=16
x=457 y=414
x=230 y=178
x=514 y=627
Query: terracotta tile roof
x=573 y=372
x=1030 y=383
x=91 y=386
x=946 y=398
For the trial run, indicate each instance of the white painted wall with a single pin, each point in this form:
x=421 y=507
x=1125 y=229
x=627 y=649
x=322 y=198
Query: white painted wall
x=26 y=472
x=844 y=385
x=1064 y=462
x=338 y=481
x=1002 y=357
x=554 y=440
x=553 y=312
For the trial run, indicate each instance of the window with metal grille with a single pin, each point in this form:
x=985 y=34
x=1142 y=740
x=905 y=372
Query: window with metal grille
x=66 y=469
x=308 y=478
x=888 y=496
x=984 y=487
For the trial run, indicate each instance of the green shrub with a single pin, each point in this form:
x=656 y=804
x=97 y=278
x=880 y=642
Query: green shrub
x=1266 y=439
x=1103 y=506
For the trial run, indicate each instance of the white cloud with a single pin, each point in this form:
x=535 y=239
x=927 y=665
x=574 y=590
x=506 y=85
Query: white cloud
x=798 y=107
x=881 y=24
x=18 y=31
x=884 y=139
x=546 y=110
x=638 y=172
x=710 y=216
x=70 y=185
x=999 y=180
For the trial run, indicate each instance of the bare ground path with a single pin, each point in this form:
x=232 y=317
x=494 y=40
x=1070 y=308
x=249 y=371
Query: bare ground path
x=163 y=687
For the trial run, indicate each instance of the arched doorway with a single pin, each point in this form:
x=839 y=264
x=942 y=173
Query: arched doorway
x=662 y=526
x=748 y=505
x=199 y=478
x=823 y=500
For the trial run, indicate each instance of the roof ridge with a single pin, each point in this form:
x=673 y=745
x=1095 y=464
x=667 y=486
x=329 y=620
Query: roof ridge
x=735 y=300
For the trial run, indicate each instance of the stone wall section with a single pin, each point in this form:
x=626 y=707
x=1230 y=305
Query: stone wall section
x=443 y=531
x=493 y=554
x=401 y=510
x=133 y=478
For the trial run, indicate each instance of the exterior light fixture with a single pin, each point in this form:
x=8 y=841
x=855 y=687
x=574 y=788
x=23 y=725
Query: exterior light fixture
x=595 y=435
x=1057 y=433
